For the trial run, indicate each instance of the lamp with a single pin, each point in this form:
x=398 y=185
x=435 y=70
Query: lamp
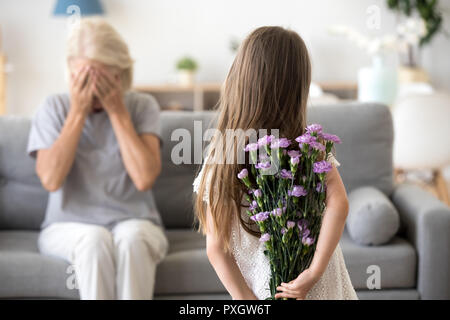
x=82 y=7
x=421 y=136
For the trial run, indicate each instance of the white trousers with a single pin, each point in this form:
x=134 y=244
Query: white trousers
x=117 y=264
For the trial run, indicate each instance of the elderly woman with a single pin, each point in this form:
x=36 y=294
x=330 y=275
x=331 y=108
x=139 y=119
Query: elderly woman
x=98 y=154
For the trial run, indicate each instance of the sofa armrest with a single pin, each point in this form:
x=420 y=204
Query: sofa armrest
x=426 y=221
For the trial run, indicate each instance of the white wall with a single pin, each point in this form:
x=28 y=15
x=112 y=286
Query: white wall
x=160 y=31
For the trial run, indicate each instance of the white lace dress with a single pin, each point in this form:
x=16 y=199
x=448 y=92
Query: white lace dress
x=248 y=252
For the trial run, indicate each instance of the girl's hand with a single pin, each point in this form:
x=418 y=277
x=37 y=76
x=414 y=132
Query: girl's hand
x=299 y=287
x=82 y=90
x=108 y=88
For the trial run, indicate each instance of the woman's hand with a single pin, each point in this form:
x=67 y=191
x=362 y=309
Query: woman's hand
x=82 y=90
x=108 y=88
x=299 y=287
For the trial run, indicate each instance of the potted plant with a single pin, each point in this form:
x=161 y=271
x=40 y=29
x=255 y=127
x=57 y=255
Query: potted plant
x=186 y=67
x=419 y=22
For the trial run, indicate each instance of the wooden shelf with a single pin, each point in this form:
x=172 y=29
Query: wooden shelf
x=196 y=97
x=213 y=87
x=342 y=89
x=204 y=96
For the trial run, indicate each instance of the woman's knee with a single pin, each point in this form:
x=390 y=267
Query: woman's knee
x=141 y=233
x=96 y=241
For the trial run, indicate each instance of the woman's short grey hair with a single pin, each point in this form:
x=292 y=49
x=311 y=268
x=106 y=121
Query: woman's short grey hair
x=96 y=39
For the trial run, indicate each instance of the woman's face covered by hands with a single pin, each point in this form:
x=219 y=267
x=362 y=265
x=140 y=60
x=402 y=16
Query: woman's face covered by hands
x=96 y=69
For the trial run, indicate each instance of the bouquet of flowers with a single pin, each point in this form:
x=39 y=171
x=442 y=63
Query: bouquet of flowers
x=286 y=194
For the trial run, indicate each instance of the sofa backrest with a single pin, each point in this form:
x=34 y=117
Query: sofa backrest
x=173 y=188
x=365 y=156
x=22 y=198
x=367 y=136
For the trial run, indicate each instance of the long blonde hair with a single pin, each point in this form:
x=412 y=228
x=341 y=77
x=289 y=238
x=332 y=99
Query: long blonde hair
x=266 y=87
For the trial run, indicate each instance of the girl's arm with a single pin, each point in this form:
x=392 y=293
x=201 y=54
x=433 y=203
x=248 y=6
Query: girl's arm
x=333 y=224
x=225 y=266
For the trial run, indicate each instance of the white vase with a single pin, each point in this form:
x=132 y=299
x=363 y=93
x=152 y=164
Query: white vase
x=377 y=83
x=186 y=78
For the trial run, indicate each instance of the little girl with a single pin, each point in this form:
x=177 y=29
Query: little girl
x=266 y=88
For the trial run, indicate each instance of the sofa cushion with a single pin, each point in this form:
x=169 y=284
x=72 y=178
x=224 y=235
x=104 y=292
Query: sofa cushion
x=372 y=218
x=390 y=294
x=27 y=273
x=24 y=273
x=185 y=270
x=188 y=263
x=397 y=261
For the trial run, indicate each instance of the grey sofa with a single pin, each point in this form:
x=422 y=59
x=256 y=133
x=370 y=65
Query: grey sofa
x=415 y=264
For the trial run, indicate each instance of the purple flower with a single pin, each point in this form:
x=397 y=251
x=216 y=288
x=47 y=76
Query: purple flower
x=264 y=157
x=260 y=216
x=331 y=137
x=286 y=174
x=283 y=230
x=265 y=140
x=297 y=191
x=290 y=224
x=302 y=224
x=317 y=145
x=280 y=143
x=322 y=166
x=319 y=187
x=317 y=128
x=307 y=241
x=305 y=138
x=265 y=237
x=294 y=153
x=262 y=165
x=277 y=212
x=257 y=193
x=253 y=205
x=251 y=147
x=295 y=160
x=243 y=174
x=305 y=232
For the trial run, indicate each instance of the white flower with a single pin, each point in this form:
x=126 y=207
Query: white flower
x=385 y=43
x=411 y=30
